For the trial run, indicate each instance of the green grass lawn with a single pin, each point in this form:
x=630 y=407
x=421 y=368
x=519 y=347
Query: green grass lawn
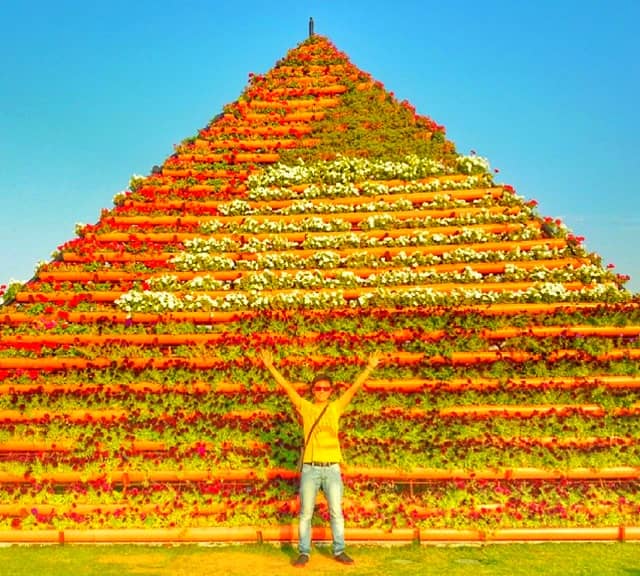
x=602 y=559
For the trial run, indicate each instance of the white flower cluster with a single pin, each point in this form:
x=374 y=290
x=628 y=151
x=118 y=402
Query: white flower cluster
x=207 y=245
x=364 y=188
x=472 y=164
x=200 y=248
x=158 y=302
x=347 y=169
x=199 y=261
x=253 y=245
x=267 y=279
x=236 y=208
x=161 y=302
x=306 y=206
x=276 y=276
x=149 y=301
x=254 y=226
x=202 y=261
x=170 y=282
x=389 y=221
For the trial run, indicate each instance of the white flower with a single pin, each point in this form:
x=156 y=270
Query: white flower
x=472 y=164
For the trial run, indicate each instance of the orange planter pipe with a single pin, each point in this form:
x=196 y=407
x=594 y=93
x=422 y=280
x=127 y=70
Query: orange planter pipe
x=290 y=81
x=205 y=174
x=399 y=358
x=268 y=130
x=200 y=154
x=117 y=317
x=437 y=249
x=295 y=103
x=103 y=296
x=66 y=445
x=551 y=331
x=353 y=217
x=479 y=411
x=19 y=445
x=53 y=363
x=131 y=387
x=22 y=510
x=450 y=535
x=418 y=198
x=519 y=473
x=288 y=117
x=481 y=267
x=80 y=415
x=310 y=337
x=171 y=237
x=139 y=387
x=488 y=384
x=136 y=476
x=232 y=156
x=409 y=385
x=288 y=533
x=294 y=73
x=229 y=157
x=198 y=219
x=328 y=89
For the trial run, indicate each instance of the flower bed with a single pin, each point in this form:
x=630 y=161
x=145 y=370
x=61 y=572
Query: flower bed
x=319 y=217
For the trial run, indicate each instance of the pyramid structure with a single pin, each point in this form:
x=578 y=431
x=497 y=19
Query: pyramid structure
x=319 y=217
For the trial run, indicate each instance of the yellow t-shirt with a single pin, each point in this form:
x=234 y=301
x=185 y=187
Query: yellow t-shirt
x=324 y=444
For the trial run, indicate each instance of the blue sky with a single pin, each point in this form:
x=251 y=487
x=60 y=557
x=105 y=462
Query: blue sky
x=93 y=92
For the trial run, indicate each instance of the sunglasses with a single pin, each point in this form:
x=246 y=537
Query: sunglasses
x=322 y=388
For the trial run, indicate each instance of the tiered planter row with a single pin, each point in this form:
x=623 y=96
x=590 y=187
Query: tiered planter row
x=355 y=218
x=348 y=294
x=162 y=257
x=119 y=317
x=230 y=275
x=416 y=385
x=288 y=533
x=398 y=336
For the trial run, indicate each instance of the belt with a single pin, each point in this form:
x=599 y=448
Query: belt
x=321 y=463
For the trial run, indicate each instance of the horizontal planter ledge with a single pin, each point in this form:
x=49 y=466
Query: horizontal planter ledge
x=480 y=267
x=111 y=316
x=415 y=475
x=288 y=533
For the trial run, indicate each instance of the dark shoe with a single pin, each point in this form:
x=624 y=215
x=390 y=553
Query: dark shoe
x=344 y=558
x=301 y=560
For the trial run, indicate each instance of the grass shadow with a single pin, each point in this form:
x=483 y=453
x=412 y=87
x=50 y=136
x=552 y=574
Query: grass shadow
x=290 y=551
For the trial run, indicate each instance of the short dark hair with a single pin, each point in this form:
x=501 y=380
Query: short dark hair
x=321 y=378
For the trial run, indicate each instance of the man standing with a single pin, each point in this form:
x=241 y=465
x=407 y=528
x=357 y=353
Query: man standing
x=322 y=455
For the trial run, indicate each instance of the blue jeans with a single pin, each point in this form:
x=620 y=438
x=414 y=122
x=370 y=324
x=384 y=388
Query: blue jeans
x=329 y=479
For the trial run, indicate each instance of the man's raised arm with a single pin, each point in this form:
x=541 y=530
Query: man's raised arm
x=267 y=360
x=374 y=360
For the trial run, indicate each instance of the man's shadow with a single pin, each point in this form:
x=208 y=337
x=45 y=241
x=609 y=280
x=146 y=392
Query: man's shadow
x=290 y=550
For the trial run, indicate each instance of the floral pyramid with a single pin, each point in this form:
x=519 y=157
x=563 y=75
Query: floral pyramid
x=321 y=218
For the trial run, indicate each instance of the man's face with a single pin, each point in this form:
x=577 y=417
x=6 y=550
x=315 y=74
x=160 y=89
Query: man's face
x=322 y=390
